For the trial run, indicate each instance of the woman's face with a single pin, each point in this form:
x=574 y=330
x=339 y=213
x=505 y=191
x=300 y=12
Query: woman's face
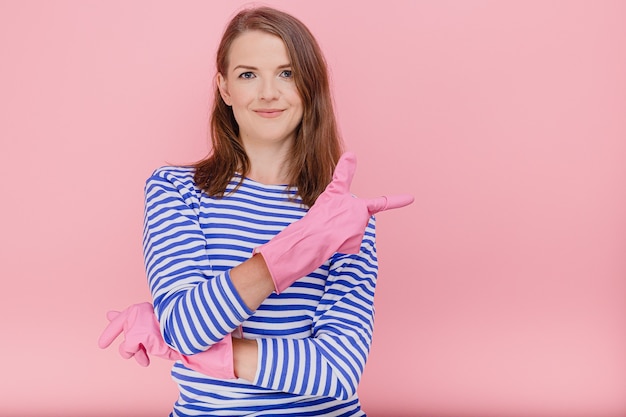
x=260 y=88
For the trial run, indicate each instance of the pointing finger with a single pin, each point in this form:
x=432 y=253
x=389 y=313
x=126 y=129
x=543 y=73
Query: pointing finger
x=113 y=330
x=376 y=205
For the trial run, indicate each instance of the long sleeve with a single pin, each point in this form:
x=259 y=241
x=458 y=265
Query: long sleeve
x=313 y=338
x=330 y=362
x=195 y=305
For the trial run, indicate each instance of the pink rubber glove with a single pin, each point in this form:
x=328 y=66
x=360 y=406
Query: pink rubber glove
x=335 y=223
x=142 y=337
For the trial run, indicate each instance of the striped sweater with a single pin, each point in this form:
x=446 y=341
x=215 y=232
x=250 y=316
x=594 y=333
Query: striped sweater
x=313 y=339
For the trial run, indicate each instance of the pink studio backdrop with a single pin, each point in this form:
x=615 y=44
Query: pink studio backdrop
x=502 y=290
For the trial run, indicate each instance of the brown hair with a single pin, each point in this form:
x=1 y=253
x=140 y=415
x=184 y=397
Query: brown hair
x=317 y=146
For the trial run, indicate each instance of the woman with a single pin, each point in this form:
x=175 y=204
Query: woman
x=261 y=265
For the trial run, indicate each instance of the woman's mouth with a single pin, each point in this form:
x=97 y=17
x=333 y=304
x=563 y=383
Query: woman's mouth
x=269 y=113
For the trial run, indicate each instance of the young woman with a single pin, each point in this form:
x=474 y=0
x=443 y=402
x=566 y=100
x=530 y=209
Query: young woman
x=261 y=264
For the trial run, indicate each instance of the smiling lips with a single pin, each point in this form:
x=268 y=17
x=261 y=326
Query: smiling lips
x=269 y=113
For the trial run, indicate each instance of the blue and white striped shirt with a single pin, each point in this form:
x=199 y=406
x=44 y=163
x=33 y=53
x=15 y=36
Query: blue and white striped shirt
x=313 y=339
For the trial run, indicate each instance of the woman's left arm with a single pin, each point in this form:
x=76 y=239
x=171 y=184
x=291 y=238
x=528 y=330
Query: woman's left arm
x=330 y=362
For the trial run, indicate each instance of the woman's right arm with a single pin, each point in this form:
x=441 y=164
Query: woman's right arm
x=194 y=307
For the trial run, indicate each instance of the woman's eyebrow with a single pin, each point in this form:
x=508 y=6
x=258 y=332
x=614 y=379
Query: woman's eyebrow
x=250 y=67
x=247 y=67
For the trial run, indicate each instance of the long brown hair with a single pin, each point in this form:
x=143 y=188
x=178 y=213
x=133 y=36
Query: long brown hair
x=317 y=146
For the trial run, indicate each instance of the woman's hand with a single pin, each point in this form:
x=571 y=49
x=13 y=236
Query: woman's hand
x=142 y=338
x=141 y=334
x=335 y=223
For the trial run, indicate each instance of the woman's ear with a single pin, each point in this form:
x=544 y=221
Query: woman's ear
x=223 y=87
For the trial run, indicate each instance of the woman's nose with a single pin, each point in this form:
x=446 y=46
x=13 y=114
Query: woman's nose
x=269 y=90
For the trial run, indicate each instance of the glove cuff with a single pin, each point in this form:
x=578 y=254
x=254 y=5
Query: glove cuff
x=216 y=362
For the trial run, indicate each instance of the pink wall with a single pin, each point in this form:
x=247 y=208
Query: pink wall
x=502 y=289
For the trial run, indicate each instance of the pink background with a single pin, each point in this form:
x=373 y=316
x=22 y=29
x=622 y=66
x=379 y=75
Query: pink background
x=502 y=290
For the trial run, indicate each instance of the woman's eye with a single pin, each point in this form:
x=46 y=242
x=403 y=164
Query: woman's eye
x=246 y=75
x=286 y=74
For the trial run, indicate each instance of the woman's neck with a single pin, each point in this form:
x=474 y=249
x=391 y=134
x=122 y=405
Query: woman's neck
x=269 y=165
